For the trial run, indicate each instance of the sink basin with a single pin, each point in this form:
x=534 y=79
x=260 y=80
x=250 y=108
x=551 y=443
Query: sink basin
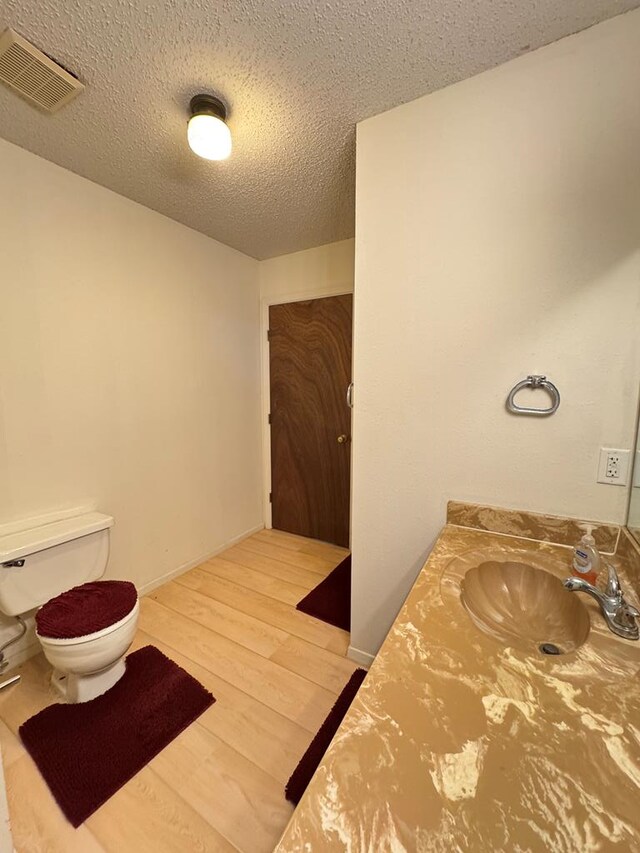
x=524 y=607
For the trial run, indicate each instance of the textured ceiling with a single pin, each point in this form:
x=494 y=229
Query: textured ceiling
x=297 y=75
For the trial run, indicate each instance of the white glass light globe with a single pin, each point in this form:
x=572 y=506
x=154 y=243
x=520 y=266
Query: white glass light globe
x=209 y=137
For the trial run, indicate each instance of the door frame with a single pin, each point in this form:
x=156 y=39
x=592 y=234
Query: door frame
x=265 y=304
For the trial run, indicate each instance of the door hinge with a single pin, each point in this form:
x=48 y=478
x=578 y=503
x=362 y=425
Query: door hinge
x=270 y=497
x=268 y=334
x=269 y=417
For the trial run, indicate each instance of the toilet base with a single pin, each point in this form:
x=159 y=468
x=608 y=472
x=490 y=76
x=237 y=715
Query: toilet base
x=75 y=688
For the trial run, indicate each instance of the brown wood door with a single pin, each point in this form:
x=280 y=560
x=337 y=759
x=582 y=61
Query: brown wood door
x=310 y=370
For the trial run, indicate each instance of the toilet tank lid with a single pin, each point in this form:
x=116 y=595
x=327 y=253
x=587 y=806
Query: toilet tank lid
x=22 y=543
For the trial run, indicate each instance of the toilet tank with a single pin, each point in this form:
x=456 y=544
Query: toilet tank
x=38 y=563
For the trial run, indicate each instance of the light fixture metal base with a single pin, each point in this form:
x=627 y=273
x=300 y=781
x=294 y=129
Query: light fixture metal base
x=208 y=105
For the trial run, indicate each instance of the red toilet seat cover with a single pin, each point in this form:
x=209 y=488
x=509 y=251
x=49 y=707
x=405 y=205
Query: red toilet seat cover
x=86 y=609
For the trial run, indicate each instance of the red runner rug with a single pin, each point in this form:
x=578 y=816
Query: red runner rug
x=308 y=764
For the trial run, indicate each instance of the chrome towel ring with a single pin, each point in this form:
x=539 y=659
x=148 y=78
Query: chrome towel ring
x=534 y=381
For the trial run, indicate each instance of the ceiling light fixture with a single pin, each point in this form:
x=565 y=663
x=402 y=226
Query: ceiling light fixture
x=207 y=131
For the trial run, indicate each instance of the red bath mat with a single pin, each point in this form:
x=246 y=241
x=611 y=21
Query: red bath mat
x=86 y=752
x=330 y=601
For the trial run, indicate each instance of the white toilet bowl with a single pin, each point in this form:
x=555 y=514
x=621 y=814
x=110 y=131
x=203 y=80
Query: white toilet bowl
x=84 y=625
x=87 y=666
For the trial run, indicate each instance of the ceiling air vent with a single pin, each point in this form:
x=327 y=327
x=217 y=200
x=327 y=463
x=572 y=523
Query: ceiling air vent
x=30 y=73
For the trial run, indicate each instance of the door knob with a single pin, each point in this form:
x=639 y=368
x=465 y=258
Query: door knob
x=342 y=439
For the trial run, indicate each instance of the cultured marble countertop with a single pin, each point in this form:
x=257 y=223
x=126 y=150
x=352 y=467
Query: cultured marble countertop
x=457 y=742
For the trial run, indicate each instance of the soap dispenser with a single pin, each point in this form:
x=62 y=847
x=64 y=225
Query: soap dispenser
x=586 y=559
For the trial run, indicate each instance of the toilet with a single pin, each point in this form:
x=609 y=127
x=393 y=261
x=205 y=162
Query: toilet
x=84 y=625
x=85 y=634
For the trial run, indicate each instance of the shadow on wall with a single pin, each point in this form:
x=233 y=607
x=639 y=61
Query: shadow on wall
x=383 y=617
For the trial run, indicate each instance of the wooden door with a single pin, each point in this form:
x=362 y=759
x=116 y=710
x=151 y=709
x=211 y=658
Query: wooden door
x=310 y=370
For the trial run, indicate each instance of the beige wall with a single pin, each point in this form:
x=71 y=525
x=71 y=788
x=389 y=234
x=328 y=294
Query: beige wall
x=129 y=370
x=324 y=271
x=634 y=502
x=497 y=235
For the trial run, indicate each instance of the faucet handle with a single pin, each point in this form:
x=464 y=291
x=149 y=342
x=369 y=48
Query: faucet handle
x=625 y=619
x=630 y=610
x=613 y=589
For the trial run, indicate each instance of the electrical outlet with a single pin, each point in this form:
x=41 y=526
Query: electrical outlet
x=613 y=468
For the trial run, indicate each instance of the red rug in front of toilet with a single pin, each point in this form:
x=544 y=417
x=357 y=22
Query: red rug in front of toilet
x=86 y=752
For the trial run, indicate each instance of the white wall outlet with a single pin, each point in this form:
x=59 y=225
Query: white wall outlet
x=613 y=468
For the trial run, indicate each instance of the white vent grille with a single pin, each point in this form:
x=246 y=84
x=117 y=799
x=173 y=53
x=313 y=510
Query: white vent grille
x=30 y=73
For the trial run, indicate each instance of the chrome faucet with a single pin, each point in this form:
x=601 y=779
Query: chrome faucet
x=619 y=615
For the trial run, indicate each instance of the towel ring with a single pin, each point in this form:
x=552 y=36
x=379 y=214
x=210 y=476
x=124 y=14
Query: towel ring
x=534 y=381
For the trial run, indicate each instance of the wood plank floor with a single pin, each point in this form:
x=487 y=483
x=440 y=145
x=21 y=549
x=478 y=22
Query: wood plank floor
x=275 y=673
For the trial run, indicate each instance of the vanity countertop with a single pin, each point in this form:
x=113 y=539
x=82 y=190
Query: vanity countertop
x=457 y=742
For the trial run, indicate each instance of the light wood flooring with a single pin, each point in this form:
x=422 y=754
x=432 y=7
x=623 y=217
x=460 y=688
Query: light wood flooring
x=275 y=673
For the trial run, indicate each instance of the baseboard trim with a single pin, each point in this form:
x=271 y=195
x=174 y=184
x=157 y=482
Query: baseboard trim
x=359 y=656
x=191 y=564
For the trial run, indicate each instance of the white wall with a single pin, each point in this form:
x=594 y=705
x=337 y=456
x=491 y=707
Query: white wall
x=129 y=370
x=497 y=234
x=313 y=273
